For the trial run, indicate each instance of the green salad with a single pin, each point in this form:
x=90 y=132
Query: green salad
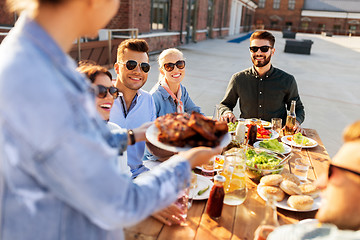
x=298 y=139
x=232 y=126
x=273 y=145
x=262 y=160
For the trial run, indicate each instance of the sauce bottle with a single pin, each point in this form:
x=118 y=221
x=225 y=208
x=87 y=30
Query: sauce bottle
x=290 y=120
x=216 y=198
x=252 y=132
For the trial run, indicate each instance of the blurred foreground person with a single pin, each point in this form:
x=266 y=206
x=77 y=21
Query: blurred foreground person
x=339 y=213
x=57 y=173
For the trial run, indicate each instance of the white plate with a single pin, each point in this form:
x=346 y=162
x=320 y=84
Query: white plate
x=274 y=135
x=287 y=149
x=292 y=143
x=152 y=136
x=202 y=183
x=265 y=124
x=283 y=203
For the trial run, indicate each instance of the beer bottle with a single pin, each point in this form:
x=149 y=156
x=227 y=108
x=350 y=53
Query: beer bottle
x=290 y=120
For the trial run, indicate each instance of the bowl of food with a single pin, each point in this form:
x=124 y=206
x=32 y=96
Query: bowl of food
x=260 y=163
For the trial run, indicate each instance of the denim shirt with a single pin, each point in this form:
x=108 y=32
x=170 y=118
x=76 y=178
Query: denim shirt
x=165 y=104
x=57 y=173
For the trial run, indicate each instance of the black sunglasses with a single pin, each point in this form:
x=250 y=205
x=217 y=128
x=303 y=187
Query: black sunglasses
x=331 y=170
x=131 y=64
x=262 y=49
x=101 y=91
x=170 y=66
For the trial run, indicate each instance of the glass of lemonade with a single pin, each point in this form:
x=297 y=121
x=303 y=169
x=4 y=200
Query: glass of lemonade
x=234 y=172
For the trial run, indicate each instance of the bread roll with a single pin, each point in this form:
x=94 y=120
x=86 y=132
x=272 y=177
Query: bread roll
x=271 y=180
x=310 y=190
x=275 y=192
x=290 y=187
x=291 y=177
x=300 y=202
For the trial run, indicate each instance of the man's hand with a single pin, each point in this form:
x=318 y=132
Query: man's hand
x=170 y=215
x=200 y=155
x=228 y=117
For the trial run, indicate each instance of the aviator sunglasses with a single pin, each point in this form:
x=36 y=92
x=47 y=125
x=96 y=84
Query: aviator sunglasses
x=131 y=64
x=170 y=66
x=101 y=91
x=263 y=49
x=331 y=170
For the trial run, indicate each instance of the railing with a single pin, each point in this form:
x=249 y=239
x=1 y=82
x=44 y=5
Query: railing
x=313 y=30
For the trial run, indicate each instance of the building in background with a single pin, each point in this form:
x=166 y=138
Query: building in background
x=162 y=23
x=312 y=16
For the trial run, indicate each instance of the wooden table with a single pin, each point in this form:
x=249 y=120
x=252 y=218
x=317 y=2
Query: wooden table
x=236 y=222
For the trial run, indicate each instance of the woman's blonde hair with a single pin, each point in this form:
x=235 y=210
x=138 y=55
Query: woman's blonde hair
x=19 y=6
x=162 y=56
x=352 y=132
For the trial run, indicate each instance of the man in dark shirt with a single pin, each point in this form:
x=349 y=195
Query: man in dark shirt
x=262 y=91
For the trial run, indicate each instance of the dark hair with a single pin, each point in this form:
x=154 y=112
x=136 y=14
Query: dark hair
x=263 y=35
x=138 y=45
x=91 y=70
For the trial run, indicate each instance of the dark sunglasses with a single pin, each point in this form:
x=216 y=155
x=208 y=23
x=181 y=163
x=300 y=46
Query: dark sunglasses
x=331 y=170
x=170 y=66
x=101 y=91
x=131 y=64
x=262 y=49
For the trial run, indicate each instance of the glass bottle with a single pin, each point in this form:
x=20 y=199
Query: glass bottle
x=252 y=132
x=270 y=221
x=240 y=131
x=290 y=120
x=216 y=198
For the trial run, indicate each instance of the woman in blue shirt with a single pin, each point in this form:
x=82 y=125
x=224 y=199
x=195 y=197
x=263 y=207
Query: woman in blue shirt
x=169 y=94
x=57 y=173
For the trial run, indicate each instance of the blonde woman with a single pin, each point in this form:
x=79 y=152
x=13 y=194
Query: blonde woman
x=57 y=174
x=169 y=94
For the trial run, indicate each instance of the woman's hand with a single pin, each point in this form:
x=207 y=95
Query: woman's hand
x=139 y=132
x=200 y=155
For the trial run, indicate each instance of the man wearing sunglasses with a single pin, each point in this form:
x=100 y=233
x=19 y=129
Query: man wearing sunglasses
x=134 y=106
x=339 y=213
x=262 y=91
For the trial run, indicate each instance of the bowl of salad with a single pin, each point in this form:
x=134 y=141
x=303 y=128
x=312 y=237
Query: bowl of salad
x=260 y=163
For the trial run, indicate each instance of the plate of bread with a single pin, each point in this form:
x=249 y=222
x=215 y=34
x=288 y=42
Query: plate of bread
x=289 y=192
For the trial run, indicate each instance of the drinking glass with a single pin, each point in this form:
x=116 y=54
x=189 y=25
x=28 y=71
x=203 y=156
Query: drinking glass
x=301 y=168
x=183 y=203
x=193 y=187
x=276 y=125
x=234 y=172
x=216 y=114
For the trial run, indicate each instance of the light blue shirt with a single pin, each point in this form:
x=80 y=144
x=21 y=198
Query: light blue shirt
x=142 y=111
x=165 y=104
x=57 y=173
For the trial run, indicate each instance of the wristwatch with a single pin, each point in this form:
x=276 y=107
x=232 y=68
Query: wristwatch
x=131 y=136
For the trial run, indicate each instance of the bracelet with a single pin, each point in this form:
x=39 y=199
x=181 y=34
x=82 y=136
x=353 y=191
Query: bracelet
x=131 y=136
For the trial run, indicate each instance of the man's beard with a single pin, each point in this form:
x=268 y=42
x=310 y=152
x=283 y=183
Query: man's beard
x=262 y=63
